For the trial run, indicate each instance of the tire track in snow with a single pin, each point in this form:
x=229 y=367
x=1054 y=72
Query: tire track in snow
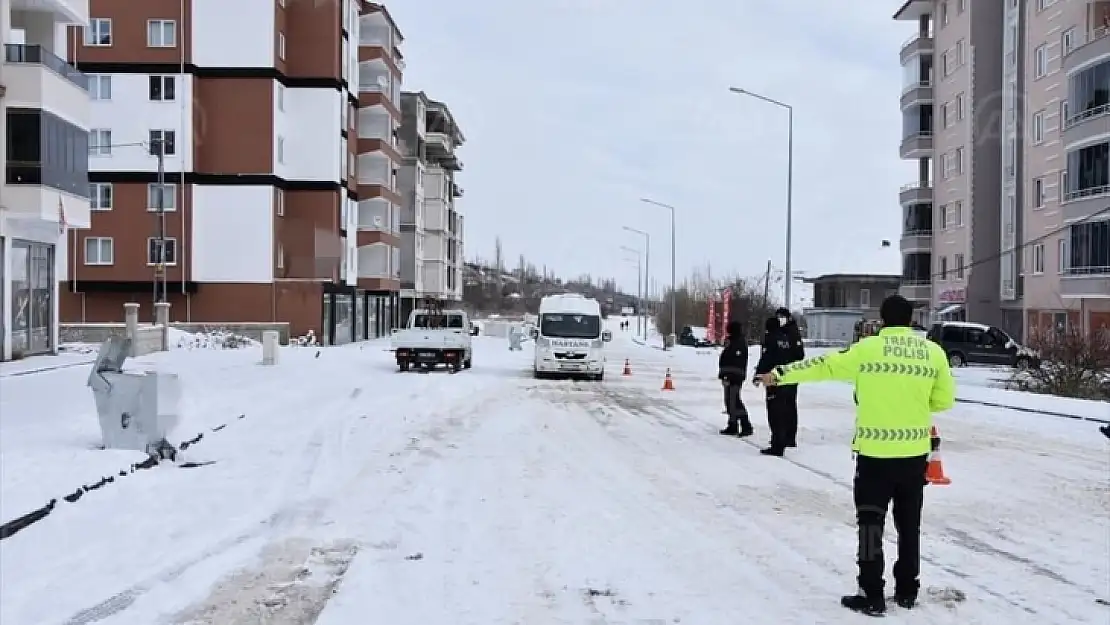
x=694 y=427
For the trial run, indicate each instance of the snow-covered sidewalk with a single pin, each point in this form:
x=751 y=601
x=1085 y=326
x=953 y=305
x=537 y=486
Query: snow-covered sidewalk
x=350 y=494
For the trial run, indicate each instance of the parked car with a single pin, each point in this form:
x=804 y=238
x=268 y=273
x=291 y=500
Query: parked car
x=694 y=336
x=976 y=343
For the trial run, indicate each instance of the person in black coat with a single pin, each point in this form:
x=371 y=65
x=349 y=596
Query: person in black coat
x=732 y=370
x=780 y=347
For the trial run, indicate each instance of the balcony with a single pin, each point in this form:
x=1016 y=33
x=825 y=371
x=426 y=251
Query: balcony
x=435 y=215
x=916 y=290
x=375 y=214
x=918 y=145
x=1095 y=48
x=65 y=11
x=36 y=78
x=439 y=141
x=917 y=241
x=1086 y=282
x=1081 y=204
x=916 y=193
x=917 y=94
x=435 y=248
x=917 y=44
x=1085 y=125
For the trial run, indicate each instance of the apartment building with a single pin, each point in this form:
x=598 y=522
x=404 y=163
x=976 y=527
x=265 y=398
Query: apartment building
x=44 y=190
x=431 y=226
x=1066 y=158
x=952 y=128
x=256 y=211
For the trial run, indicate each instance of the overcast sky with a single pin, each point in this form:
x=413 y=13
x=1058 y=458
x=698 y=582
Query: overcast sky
x=575 y=109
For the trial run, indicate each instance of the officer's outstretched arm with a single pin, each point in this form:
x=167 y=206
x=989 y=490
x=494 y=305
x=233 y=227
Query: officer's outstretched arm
x=943 y=396
x=842 y=365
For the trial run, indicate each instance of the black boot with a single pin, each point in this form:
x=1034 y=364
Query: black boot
x=871 y=606
x=746 y=431
x=905 y=601
x=772 y=451
x=730 y=430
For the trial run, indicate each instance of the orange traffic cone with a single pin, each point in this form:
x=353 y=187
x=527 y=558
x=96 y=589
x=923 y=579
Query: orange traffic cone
x=627 y=367
x=934 y=471
x=668 y=383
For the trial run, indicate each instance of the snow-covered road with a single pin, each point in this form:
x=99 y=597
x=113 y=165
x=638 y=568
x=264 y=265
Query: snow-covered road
x=352 y=495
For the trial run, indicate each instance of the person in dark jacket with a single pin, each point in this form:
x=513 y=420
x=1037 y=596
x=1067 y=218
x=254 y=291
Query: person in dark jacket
x=782 y=416
x=797 y=351
x=732 y=370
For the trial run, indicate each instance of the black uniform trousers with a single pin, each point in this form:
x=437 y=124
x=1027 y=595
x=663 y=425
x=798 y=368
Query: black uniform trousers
x=782 y=415
x=734 y=405
x=878 y=483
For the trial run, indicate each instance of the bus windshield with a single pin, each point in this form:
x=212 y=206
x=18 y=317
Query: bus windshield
x=570 y=326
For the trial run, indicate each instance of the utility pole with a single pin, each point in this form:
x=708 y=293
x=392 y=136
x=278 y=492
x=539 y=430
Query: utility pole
x=158 y=149
x=767 y=286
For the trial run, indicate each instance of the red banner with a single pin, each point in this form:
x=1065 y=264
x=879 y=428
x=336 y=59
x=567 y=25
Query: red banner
x=726 y=309
x=711 y=322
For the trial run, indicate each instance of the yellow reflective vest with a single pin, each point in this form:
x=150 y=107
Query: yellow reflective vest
x=900 y=380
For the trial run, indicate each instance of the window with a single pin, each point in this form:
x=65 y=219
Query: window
x=865 y=298
x=166 y=138
x=99 y=251
x=161 y=198
x=949 y=162
x=1038 y=193
x=281 y=149
x=1040 y=62
x=961 y=53
x=959 y=157
x=1062 y=256
x=1044 y=4
x=280 y=96
x=1038 y=127
x=943 y=13
x=280 y=264
x=959 y=261
x=942 y=267
x=945 y=115
x=100 y=196
x=281 y=46
x=1065 y=113
x=155 y=249
x=957 y=218
x=279 y=202
x=99 y=32
x=960 y=109
x=961 y=6
x=1038 y=258
x=1067 y=41
x=100 y=87
x=163 y=88
x=1063 y=192
x=161 y=33
x=100 y=142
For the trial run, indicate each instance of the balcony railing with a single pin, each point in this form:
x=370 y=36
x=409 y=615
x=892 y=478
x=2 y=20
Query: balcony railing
x=1103 y=270
x=921 y=84
x=921 y=184
x=1093 y=36
x=1091 y=113
x=914 y=37
x=1079 y=194
x=916 y=282
x=917 y=232
x=34 y=54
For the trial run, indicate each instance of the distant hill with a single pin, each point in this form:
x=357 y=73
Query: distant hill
x=489 y=290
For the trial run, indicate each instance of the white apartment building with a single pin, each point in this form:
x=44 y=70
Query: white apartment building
x=257 y=214
x=431 y=225
x=44 y=190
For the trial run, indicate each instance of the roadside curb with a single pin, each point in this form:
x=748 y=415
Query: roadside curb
x=1047 y=413
x=10 y=528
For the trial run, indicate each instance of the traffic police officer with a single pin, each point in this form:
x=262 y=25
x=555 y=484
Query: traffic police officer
x=900 y=380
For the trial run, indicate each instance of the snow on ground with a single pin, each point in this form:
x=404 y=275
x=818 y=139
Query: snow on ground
x=350 y=494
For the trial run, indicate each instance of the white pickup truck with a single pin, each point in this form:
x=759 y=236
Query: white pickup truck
x=433 y=338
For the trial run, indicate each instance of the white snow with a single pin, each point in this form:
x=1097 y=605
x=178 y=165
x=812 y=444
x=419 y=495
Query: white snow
x=349 y=494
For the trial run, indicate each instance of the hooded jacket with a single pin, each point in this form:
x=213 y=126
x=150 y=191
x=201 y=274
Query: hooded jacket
x=797 y=348
x=733 y=362
x=777 y=349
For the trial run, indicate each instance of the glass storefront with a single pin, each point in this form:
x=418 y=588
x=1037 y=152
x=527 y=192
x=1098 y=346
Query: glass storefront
x=344 y=319
x=360 y=317
x=32 y=267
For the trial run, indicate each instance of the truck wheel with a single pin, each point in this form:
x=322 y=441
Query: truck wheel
x=469 y=362
x=403 y=366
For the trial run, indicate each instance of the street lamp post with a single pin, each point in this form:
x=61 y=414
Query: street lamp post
x=647 y=273
x=674 y=294
x=639 y=286
x=789 y=177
